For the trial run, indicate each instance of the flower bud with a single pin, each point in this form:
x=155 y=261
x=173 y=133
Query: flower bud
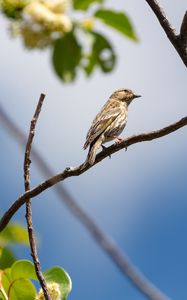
x=54 y=292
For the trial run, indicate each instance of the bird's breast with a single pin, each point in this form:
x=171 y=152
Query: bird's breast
x=117 y=125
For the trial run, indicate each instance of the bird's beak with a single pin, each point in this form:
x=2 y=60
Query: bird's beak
x=137 y=96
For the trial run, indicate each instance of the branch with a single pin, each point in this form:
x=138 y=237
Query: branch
x=175 y=39
x=183 y=29
x=103 y=240
x=76 y=171
x=27 y=162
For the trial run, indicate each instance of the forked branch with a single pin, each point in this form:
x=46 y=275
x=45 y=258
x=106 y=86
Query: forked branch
x=177 y=40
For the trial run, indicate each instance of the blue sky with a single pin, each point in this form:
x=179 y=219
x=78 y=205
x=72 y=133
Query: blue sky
x=138 y=197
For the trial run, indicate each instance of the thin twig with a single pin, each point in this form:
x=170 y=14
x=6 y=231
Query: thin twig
x=30 y=229
x=169 y=30
x=104 y=241
x=76 y=171
x=183 y=31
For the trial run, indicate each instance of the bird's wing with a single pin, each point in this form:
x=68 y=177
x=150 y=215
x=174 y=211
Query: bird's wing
x=101 y=122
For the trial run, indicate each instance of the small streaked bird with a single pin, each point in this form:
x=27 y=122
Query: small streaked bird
x=109 y=122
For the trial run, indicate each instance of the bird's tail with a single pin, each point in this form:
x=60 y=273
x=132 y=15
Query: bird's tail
x=93 y=150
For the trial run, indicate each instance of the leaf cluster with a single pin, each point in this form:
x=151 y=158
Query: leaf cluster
x=16 y=281
x=69 y=54
x=79 y=44
x=17 y=276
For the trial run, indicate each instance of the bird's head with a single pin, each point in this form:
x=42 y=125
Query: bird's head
x=124 y=95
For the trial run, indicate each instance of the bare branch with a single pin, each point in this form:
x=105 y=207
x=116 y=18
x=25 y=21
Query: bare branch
x=183 y=29
x=30 y=229
x=104 y=241
x=169 y=30
x=76 y=171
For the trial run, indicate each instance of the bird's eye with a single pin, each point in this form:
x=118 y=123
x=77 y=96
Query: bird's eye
x=126 y=91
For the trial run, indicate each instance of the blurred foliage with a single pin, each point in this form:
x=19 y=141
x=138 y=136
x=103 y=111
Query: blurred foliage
x=118 y=21
x=64 y=48
x=84 y=4
x=102 y=54
x=16 y=284
x=16 y=275
x=13 y=234
x=76 y=40
x=7 y=258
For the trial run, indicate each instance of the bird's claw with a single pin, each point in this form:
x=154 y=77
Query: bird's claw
x=118 y=140
x=104 y=148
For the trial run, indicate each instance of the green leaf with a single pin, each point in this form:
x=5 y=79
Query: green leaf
x=6 y=279
x=23 y=269
x=22 y=289
x=16 y=283
x=66 y=57
x=14 y=233
x=84 y=4
x=102 y=55
x=59 y=275
x=118 y=21
x=7 y=258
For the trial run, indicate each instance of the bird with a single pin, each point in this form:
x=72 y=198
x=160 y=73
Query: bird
x=109 y=122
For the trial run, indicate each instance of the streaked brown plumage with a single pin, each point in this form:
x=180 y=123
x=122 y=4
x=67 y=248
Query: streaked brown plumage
x=109 y=122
